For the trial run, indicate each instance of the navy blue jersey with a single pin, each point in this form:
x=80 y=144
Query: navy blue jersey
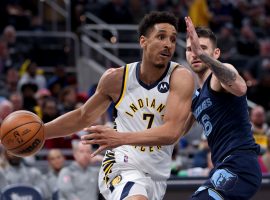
x=225 y=120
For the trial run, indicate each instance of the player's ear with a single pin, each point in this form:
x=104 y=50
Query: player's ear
x=143 y=41
x=216 y=53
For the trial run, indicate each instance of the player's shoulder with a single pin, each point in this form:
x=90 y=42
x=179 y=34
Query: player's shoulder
x=182 y=71
x=182 y=78
x=114 y=72
x=111 y=81
x=112 y=75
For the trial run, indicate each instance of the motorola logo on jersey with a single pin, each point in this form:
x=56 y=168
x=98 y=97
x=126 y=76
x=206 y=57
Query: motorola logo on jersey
x=163 y=87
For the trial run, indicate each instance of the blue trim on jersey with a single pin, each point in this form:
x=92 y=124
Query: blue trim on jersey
x=126 y=190
x=149 y=87
x=214 y=194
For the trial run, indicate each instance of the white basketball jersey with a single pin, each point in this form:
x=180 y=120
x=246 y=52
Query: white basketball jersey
x=139 y=107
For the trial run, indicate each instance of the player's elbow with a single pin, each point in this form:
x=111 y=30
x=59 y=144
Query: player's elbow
x=241 y=90
x=173 y=137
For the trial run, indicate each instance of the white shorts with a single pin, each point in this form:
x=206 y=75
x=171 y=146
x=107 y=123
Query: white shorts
x=117 y=181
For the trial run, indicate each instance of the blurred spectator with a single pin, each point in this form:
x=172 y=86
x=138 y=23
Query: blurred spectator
x=256 y=17
x=161 y=5
x=9 y=35
x=247 y=43
x=198 y=171
x=18 y=16
x=3 y=89
x=257 y=76
x=239 y=13
x=138 y=9
x=226 y=41
x=68 y=99
x=5 y=61
x=17 y=172
x=49 y=112
x=32 y=76
x=56 y=161
x=222 y=14
x=176 y=164
x=199 y=12
x=6 y=108
x=3 y=181
x=3 y=161
x=41 y=95
x=15 y=48
x=267 y=116
x=12 y=80
x=77 y=11
x=266 y=157
x=266 y=23
x=16 y=99
x=116 y=12
x=59 y=76
x=8 y=83
x=28 y=91
x=200 y=158
x=79 y=180
x=260 y=128
x=49 y=109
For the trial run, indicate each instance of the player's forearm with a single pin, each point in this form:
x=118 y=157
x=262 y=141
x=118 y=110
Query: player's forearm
x=155 y=136
x=64 y=125
x=223 y=73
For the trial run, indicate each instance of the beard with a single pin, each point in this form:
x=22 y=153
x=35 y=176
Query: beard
x=201 y=69
x=160 y=66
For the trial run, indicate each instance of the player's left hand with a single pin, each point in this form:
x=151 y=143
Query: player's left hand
x=194 y=39
x=104 y=136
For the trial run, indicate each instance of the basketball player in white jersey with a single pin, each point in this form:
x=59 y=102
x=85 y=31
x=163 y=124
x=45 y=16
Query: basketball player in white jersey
x=153 y=99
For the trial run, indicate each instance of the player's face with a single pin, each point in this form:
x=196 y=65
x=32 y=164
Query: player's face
x=159 y=44
x=194 y=62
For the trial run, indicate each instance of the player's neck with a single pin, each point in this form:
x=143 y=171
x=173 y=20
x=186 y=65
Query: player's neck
x=149 y=74
x=202 y=77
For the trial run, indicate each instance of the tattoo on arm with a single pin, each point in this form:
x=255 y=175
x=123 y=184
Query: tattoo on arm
x=224 y=74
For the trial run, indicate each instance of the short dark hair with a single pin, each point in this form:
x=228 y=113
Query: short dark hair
x=205 y=32
x=156 y=17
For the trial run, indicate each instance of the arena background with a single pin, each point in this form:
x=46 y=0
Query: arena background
x=72 y=42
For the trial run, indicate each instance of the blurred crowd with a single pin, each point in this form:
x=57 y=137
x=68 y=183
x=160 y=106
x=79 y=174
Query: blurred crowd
x=243 y=37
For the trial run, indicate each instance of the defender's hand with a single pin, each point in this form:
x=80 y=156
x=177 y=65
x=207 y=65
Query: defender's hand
x=194 y=39
x=103 y=136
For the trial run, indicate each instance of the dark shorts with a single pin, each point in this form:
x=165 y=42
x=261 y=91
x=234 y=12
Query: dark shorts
x=237 y=177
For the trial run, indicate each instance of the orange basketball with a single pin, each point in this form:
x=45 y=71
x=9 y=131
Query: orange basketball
x=22 y=133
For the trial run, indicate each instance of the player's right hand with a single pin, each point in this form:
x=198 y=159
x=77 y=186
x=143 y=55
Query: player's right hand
x=194 y=39
x=103 y=136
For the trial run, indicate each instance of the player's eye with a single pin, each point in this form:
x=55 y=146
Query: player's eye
x=204 y=47
x=173 y=39
x=161 y=37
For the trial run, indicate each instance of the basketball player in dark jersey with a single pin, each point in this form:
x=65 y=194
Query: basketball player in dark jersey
x=220 y=106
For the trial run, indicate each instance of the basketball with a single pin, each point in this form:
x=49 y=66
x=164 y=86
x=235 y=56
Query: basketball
x=22 y=133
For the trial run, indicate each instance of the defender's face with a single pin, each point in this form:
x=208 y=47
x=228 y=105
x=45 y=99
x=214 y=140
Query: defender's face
x=194 y=62
x=159 y=44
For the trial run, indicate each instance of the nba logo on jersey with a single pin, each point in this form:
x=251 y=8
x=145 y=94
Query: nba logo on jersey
x=163 y=87
x=125 y=158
